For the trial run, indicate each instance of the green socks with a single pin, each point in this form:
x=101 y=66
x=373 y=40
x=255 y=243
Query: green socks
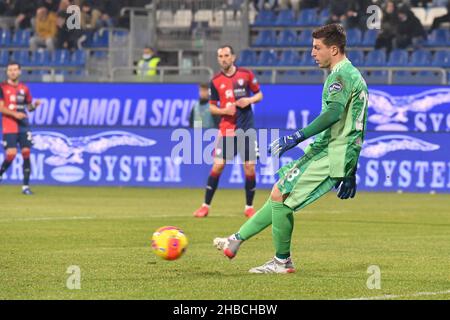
x=282 y=226
x=260 y=220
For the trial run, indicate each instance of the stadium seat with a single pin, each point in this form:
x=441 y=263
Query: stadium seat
x=182 y=19
x=305 y=38
x=264 y=76
x=375 y=77
x=60 y=57
x=266 y=38
x=307 y=60
x=165 y=18
x=40 y=58
x=434 y=13
x=78 y=58
x=265 y=18
x=100 y=39
x=21 y=56
x=398 y=57
x=4 y=57
x=429 y=77
x=354 y=37
x=438 y=38
x=403 y=77
x=21 y=38
x=246 y=58
x=307 y=18
x=420 y=58
x=324 y=15
x=287 y=38
x=285 y=18
x=370 y=37
x=376 y=58
x=441 y=59
x=5 y=38
x=289 y=58
x=356 y=57
x=267 y=58
x=203 y=16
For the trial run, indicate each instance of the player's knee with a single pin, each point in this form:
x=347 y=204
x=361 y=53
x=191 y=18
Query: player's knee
x=218 y=168
x=26 y=153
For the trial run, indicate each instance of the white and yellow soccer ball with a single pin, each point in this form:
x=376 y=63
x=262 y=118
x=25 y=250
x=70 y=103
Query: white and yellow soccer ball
x=169 y=242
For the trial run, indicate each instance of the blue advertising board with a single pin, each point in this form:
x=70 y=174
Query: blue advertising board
x=130 y=135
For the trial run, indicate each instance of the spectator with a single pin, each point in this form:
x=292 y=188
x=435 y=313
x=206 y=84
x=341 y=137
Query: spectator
x=147 y=66
x=439 y=20
x=24 y=10
x=90 y=15
x=66 y=39
x=309 y=4
x=389 y=25
x=44 y=29
x=409 y=31
x=356 y=16
x=51 y=5
x=201 y=112
x=110 y=10
x=338 y=11
x=6 y=7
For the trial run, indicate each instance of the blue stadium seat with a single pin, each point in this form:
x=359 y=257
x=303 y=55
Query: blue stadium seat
x=370 y=37
x=375 y=77
x=21 y=38
x=429 y=77
x=441 y=59
x=21 y=56
x=246 y=58
x=264 y=18
x=40 y=58
x=264 y=76
x=4 y=57
x=356 y=57
x=307 y=18
x=5 y=38
x=421 y=58
x=437 y=38
x=403 y=77
x=78 y=58
x=285 y=18
x=267 y=58
x=287 y=38
x=61 y=57
x=289 y=58
x=307 y=60
x=305 y=38
x=100 y=39
x=266 y=38
x=354 y=37
x=376 y=58
x=398 y=58
x=324 y=15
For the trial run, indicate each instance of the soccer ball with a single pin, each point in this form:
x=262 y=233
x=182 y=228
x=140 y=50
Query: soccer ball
x=169 y=242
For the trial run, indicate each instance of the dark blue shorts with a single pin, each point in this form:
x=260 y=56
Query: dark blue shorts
x=243 y=144
x=23 y=139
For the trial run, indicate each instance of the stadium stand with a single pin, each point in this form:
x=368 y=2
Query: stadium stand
x=185 y=34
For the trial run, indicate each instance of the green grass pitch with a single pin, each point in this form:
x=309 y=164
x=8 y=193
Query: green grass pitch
x=106 y=232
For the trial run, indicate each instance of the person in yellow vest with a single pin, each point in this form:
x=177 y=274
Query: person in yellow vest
x=147 y=66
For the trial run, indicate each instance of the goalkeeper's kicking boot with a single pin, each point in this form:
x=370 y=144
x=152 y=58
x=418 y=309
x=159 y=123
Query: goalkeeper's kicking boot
x=27 y=191
x=249 y=211
x=202 y=212
x=228 y=246
x=275 y=266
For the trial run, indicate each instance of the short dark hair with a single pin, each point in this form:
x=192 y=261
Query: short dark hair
x=13 y=63
x=227 y=46
x=204 y=85
x=332 y=35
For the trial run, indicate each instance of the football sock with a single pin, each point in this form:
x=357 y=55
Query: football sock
x=26 y=168
x=6 y=163
x=282 y=226
x=211 y=186
x=260 y=220
x=250 y=187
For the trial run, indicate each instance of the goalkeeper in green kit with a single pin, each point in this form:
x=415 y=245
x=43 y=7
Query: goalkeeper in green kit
x=330 y=161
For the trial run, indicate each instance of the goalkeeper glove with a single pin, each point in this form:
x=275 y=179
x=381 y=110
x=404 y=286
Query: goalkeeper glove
x=283 y=144
x=347 y=187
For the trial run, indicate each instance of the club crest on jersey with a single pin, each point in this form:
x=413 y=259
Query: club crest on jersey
x=336 y=86
x=240 y=82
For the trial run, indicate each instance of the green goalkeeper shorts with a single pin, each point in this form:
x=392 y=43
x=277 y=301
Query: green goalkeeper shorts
x=305 y=180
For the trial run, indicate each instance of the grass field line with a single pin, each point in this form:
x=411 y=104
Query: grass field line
x=46 y=219
x=412 y=295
